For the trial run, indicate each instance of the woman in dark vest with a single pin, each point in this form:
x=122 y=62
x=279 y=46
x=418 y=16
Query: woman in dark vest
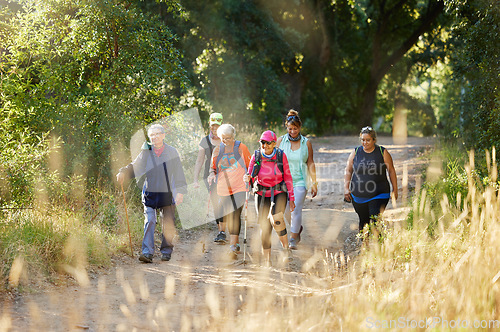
x=365 y=182
x=206 y=148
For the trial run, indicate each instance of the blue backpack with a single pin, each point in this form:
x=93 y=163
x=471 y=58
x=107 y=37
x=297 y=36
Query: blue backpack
x=236 y=153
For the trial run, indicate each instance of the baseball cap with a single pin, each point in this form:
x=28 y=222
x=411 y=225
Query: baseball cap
x=216 y=118
x=269 y=136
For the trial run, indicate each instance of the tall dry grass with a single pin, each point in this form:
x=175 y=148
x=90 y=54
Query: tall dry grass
x=404 y=277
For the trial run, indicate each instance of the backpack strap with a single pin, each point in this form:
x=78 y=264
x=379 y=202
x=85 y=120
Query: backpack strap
x=221 y=153
x=279 y=160
x=236 y=153
x=256 y=166
x=209 y=144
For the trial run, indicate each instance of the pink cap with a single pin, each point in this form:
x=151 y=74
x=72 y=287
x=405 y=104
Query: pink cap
x=269 y=136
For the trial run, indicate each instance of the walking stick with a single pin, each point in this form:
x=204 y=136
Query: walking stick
x=208 y=203
x=245 y=232
x=128 y=224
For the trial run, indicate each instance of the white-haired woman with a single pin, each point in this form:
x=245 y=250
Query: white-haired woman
x=229 y=164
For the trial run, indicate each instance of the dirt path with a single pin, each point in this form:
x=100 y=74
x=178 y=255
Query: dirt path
x=201 y=287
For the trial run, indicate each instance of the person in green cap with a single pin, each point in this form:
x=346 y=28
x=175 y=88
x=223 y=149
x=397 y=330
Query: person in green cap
x=206 y=148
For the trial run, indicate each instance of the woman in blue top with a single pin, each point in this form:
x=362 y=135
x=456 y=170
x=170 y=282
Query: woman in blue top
x=299 y=152
x=365 y=182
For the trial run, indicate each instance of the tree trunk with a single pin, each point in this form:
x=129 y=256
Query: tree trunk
x=368 y=106
x=295 y=87
x=399 y=123
x=381 y=67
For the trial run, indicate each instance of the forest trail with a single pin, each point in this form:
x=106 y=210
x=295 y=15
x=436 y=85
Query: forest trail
x=202 y=285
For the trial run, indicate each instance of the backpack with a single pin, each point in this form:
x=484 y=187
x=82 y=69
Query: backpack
x=236 y=153
x=256 y=168
x=258 y=160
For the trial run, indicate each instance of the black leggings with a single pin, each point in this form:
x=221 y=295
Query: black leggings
x=265 y=224
x=232 y=206
x=367 y=211
x=215 y=201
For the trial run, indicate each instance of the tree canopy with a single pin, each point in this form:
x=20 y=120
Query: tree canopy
x=88 y=73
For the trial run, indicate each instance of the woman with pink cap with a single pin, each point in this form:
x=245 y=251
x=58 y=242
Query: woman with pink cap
x=273 y=187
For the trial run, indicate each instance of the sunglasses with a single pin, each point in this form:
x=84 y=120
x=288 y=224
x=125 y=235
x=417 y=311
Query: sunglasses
x=266 y=142
x=292 y=117
x=366 y=129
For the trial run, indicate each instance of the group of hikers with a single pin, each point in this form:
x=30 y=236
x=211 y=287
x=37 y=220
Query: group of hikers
x=279 y=174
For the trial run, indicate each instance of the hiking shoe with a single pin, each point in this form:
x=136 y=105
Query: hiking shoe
x=287 y=255
x=292 y=244
x=234 y=250
x=166 y=257
x=146 y=258
x=298 y=236
x=220 y=238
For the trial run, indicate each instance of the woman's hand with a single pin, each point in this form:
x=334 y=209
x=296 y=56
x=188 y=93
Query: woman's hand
x=314 y=189
x=292 y=206
x=211 y=178
x=347 y=196
x=246 y=178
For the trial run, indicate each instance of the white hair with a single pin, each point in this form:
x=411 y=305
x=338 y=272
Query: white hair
x=226 y=129
x=156 y=126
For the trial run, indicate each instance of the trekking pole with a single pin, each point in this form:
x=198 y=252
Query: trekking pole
x=208 y=203
x=246 y=218
x=128 y=224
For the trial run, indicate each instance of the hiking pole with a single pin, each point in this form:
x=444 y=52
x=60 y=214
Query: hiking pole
x=245 y=232
x=128 y=224
x=208 y=203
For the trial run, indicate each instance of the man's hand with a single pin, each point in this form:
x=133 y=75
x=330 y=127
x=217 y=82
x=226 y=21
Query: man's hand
x=120 y=177
x=246 y=178
x=179 y=198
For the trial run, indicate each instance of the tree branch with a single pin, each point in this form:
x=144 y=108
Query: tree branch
x=426 y=23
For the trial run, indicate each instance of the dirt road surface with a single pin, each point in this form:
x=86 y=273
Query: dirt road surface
x=201 y=287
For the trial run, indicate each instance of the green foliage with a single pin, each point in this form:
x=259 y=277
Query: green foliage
x=462 y=178
x=20 y=164
x=475 y=58
x=90 y=72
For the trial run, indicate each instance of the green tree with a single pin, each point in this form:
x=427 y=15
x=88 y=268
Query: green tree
x=89 y=71
x=475 y=60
